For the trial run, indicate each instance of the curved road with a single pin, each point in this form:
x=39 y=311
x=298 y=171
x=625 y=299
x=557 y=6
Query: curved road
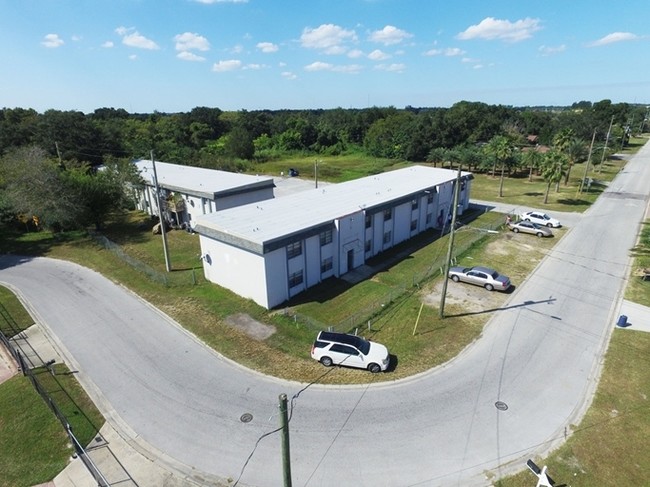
x=538 y=360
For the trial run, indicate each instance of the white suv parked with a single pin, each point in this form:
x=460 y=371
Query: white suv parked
x=332 y=348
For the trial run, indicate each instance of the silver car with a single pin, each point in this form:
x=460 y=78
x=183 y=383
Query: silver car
x=530 y=227
x=480 y=276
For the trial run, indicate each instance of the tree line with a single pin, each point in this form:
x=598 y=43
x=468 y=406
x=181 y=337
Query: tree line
x=49 y=161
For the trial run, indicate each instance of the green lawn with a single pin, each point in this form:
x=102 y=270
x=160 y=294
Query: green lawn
x=386 y=307
x=609 y=447
x=34 y=446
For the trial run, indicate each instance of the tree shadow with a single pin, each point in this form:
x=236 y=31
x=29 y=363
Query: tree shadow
x=573 y=202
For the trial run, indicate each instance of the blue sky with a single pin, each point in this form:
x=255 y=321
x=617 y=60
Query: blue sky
x=174 y=55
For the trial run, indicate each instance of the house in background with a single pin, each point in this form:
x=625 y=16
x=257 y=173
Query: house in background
x=188 y=192
x=272 y=250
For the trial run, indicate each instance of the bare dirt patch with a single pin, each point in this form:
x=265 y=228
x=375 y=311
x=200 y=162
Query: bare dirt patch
x=253 y=328
x=470 y=299
x=473 y=299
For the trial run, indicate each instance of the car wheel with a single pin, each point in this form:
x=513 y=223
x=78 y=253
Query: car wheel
x=374 y=368
x=455 y=278
x=540 y=234
x=489 y=287
x=516 y=230
x=549 y=225
x=326 y=361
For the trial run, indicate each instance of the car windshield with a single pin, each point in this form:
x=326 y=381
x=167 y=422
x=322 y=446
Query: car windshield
x=364 y=346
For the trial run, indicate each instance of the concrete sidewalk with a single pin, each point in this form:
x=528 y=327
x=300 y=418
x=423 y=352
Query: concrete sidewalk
x=119 y=461
x=638 y=316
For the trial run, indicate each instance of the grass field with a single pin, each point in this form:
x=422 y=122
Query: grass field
x=34 y=446
x=203 y=308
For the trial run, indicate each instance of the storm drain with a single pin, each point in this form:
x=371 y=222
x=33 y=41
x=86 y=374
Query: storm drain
x=246 y=418
x=501 y=406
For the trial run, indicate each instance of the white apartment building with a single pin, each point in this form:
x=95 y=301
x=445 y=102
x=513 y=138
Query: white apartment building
x=188 y=192
x=272 y=250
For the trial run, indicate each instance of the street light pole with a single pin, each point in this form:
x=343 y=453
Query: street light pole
x=168 y=265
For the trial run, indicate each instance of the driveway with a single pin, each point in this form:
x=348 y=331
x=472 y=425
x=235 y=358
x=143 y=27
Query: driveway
x=513 y=394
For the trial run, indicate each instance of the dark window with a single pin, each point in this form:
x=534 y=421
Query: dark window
x=414 y=225
x=344 y=349
x=326 y=237
x=368 y=221
x=294 y=249
x=368 y=245
x=429 y=217
x=414 y=205
x=387 y=236
x=430 y=198
x=326 y=265
x=295 y=279
x=388 y=214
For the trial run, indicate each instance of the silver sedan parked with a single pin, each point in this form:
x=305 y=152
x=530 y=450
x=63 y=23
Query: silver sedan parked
x=530 y=227
x=480 y=276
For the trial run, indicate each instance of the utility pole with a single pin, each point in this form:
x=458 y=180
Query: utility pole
x=286 y=456
x=168 y=265
x=591 y=148
x=451 y=245
x=316 y=172
x=609 y=130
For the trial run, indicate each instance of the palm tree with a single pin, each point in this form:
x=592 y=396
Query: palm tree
x=554 y=168
x=575 y=152
x=532 y=159
x=500 y=149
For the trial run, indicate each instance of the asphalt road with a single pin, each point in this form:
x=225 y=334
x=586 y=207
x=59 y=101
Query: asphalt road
x=511 y=395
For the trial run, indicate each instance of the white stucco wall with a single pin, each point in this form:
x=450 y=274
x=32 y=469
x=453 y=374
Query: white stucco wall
x=240 y=271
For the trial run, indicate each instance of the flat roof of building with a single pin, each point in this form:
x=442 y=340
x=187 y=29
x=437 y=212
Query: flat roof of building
x=273 y=219
x=199 y=181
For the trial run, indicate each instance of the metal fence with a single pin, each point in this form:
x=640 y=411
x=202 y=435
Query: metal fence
x=31 y=365
x=176 y=278
x=466 y=236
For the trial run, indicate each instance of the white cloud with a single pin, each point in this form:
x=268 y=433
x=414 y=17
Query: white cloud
x=329 y=38
x=108 y=44
x=394 y=68
x=76 y=38
x=52 y=41
x=189 y=56
x=355 y=53
x=321 y=66
x=449 y=51
x=229 y=65
x=255 y=66
x=133 y=38
x=288 y=75
x=378 y=55
x=267 y=47
x=133 y=57
x=491 y=28
x=614 y=37
x=389 y=35
x=189 y=41
x=549 y=50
